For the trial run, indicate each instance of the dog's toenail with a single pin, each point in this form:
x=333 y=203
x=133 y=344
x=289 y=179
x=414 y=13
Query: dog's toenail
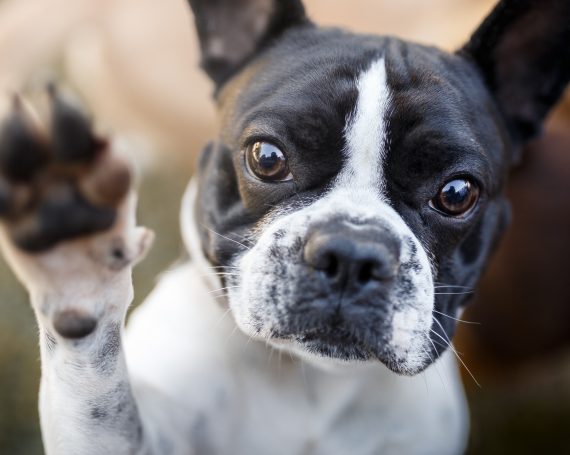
x=73 y=139
x=73 y=324
x=5 y=197
x=22 y=150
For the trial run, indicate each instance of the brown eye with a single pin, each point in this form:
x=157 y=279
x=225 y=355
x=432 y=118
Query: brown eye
x=267 y=162
x=456 y=197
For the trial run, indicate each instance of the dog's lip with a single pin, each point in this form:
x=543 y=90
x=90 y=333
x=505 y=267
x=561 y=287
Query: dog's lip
x=331 y=336
x=333 y=331
x=320 y=340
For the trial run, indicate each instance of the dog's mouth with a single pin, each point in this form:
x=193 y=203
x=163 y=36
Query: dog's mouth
x=335 y=341
x=346 y=342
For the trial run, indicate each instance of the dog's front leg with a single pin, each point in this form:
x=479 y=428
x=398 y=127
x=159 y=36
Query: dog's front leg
x=86 y=403
x=68 y=231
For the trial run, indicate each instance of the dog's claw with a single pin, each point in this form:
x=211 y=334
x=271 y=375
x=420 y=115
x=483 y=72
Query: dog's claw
x=73 y=138
x=6 y=197
x=22 y=152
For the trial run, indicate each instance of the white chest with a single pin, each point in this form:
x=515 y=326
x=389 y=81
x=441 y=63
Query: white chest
x=241 y=397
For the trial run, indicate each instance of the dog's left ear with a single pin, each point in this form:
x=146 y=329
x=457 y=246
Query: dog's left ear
x=523 y=52
x=231 y=32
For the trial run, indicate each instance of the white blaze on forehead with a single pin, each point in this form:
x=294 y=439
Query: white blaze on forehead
x=365 y=132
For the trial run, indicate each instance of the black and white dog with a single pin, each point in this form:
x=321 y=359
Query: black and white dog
x=356 y=185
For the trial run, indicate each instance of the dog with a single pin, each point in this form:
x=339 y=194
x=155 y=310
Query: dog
x=335 y=226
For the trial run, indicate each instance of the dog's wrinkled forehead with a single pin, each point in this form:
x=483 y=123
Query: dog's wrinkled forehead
x=304 y=92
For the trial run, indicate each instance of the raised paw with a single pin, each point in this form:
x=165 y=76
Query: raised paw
x=67 y=219
x=56 y=183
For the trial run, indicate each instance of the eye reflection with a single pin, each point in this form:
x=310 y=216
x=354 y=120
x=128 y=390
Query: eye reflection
x=267 y=162
x=456 y=197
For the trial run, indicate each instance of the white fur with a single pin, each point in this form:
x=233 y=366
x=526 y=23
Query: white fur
x=365 y=132
x=357 y=194
x=180 y=343
x=184 y=345
x=196 y=384
x=201 y=386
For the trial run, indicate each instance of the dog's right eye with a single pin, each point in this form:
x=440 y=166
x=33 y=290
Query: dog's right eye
x=267 y=162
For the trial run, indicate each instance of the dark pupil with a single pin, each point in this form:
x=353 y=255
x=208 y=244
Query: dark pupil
x=268 y=161
x=269 y=157
x=456 y=193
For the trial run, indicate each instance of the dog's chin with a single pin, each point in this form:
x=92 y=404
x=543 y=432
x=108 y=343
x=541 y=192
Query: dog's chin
x=328 y=349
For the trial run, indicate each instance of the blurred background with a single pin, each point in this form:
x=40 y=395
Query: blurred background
x=134 y=63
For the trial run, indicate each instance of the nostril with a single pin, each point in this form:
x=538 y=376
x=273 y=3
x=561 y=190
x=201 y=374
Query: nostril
x=365 y=272
x=359 y=256
x=332 y=265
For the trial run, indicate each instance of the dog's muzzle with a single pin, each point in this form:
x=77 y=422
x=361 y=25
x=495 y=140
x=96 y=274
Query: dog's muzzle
x=352 y=256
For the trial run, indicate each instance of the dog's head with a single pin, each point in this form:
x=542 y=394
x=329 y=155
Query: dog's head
x=355 y=191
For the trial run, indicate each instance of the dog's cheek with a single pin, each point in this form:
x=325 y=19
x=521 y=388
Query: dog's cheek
x=268 y=272
x=220 y=216
x=412 y=313
x=466 y=265
x=254 y=294
x=472 y=255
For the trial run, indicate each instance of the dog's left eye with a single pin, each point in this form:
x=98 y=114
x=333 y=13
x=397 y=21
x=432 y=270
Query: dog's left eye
x=456 y=198
x=266 y=162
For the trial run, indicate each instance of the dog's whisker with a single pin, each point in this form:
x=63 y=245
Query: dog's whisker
x=458 y=357
x=232 y=333
x=220 y=297
x=450 y=286
x=221 y=318
x=453 y=293
x=427 y=353
x=223 y=289
x=444 y=333
x=220 y=274
x=441 y=378
x=227 y=238
x=249 y=338
x=443 y=285
x=457 y=319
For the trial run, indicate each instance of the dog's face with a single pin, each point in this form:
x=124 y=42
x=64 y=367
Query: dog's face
x=356 y=190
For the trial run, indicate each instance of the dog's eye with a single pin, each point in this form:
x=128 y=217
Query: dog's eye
x=456 y=197
x=266 y=162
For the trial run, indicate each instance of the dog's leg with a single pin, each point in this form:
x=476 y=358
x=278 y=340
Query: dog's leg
x=68 y=231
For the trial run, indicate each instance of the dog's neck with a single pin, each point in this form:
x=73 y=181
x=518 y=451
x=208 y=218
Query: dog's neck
x=210 y=277
x=191 y=237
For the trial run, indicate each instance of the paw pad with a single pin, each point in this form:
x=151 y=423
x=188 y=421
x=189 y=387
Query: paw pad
x=73 y=324
x=58 y=184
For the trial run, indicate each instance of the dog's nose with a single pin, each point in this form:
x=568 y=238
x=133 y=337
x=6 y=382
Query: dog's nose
x=351 y=253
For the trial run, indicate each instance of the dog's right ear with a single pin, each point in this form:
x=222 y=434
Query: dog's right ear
x=231 y=32
x=522 y=50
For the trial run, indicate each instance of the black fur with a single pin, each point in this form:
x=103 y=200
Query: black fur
x=238 y=21
x=522 y=51
x=452 y=115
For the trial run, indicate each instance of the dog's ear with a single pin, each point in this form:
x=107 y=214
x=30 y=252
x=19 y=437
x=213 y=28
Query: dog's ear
x=523 y=51
x=232 y=31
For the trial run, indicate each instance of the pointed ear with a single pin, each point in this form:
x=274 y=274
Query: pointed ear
x=232 y=31
x=523 y=52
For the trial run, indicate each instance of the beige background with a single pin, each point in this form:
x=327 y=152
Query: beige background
x=134 y=62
